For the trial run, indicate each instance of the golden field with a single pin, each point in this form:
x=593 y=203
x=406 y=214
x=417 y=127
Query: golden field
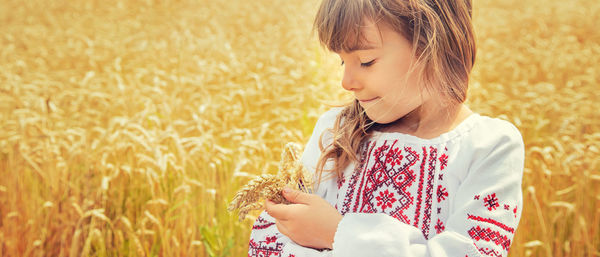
x=127 y=126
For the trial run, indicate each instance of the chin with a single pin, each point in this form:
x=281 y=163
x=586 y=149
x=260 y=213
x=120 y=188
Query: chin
x=382 y=119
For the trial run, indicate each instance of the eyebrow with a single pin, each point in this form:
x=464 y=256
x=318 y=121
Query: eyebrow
x=362 y=47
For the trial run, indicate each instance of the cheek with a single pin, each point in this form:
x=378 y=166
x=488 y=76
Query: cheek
x=394 y=105
x=386 y=82
x=395 y=89
x=405 y=87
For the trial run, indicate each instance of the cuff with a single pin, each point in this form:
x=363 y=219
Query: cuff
x=374 y=234
x=339 y=233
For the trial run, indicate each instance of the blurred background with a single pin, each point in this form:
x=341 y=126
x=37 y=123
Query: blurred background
x=127 y=126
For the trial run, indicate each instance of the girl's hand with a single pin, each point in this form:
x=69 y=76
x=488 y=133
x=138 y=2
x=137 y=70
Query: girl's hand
x=309 y=221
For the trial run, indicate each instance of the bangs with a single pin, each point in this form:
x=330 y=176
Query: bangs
x=338 y=23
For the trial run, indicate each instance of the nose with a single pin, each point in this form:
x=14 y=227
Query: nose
x=349 y=81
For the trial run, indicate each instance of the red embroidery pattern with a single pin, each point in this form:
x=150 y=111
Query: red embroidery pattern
x=394 y=156
x=491 y=202
x=439 y=226
x=341 y=182
x=265 y=248
x=387 y=181
x=507 y=207
x=428 y=198
x=353 y=180
x=378 y=177
x=443 y=160
x=441 y=193
x=489 y=235
x=261 y=223
x=271 y=239
x=419 y=194
x=385 y=199
x=489 y=252
x=476 y=197
x=515 y=211
x=491 y=221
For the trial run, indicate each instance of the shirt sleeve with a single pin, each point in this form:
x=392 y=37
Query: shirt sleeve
x=265 y=239
x=480 y=223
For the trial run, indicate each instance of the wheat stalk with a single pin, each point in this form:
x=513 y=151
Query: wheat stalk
x=291 y=174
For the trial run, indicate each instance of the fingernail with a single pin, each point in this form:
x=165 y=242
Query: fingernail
x=286 y=190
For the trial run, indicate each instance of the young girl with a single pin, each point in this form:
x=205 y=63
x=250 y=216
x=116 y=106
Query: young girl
x=406 y=169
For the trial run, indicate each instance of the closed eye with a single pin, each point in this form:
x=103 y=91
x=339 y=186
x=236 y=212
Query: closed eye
x=363 y=64
x=367 y=64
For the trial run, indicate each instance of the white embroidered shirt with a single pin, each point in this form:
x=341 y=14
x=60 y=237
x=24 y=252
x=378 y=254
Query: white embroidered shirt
x=458 y=194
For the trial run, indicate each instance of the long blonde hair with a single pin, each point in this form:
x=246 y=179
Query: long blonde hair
x=443 y=43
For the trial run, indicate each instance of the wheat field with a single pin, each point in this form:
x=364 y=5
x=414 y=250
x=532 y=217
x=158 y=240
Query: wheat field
x=126 y=127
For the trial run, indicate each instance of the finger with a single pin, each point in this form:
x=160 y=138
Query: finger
x=296 y=196
x=277 y=211
x=282 y=229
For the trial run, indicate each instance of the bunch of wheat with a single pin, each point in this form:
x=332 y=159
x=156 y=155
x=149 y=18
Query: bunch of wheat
x=291 y=174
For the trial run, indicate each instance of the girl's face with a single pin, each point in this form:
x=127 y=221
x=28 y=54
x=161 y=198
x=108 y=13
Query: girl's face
x=378 y=74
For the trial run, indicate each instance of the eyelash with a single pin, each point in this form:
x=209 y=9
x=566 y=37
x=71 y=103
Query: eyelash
x=367 y=64
x=363 y=64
